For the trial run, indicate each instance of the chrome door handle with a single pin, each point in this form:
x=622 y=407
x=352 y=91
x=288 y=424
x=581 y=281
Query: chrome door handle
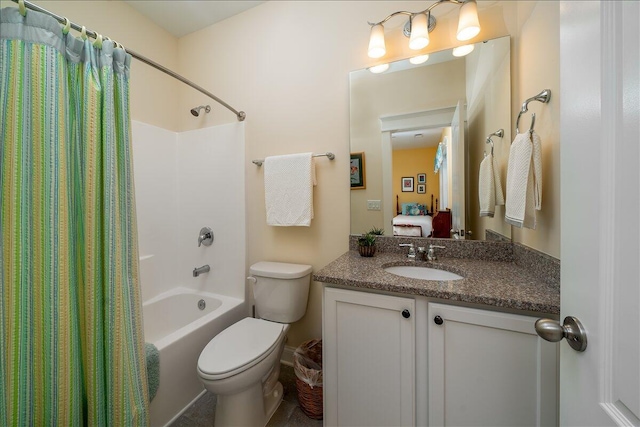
x=571 y=329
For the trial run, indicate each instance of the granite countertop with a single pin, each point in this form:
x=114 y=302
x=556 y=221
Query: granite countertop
x=499 y=284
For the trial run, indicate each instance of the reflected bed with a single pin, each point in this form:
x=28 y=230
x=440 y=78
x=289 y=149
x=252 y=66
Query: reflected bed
x=412 y=225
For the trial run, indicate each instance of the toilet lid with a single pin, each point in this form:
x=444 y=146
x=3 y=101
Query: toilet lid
x=241 y=344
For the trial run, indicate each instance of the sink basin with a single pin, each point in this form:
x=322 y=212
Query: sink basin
x=424 y=273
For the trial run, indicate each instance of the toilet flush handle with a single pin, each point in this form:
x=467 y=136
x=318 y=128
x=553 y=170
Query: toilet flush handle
x=253 y=281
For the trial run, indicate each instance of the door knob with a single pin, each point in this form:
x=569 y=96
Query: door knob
x=571 y=329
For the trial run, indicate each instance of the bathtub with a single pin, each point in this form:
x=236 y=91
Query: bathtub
x=175 y=324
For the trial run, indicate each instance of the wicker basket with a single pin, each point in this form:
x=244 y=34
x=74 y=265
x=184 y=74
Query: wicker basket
x=309 y=397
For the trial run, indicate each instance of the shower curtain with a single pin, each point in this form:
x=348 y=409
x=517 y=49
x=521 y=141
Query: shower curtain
x=71 y=337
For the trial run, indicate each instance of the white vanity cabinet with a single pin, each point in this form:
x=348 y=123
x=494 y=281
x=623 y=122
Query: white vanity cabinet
x=368 y=359
x=489 y=369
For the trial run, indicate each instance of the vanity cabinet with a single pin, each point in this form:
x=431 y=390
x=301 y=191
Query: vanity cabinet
x=489 y=369
x=369 y=359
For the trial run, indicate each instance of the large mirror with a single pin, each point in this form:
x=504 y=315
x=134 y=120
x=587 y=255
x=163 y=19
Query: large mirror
x=418 y=135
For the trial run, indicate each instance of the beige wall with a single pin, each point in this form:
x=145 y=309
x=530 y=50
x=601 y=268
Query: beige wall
x=287 y=65
x=153 y=94
x=536 y=53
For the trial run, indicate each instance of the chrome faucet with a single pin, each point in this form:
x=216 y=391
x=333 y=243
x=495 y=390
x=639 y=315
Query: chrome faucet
x=431 y=254
x=412 y=250
x=199 y=270
x=205 y=237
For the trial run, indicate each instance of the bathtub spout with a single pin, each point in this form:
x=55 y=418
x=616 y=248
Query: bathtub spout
x=198 y=271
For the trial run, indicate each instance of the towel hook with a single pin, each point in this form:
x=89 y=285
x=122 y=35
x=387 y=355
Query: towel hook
x=543 y=97
x=499 y=133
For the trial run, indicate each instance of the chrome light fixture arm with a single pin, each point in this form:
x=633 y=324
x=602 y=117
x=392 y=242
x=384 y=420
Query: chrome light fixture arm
x=412 y=14
x=420 y=24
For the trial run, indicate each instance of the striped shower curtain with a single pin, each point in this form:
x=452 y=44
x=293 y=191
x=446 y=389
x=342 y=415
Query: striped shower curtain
x=71 y=338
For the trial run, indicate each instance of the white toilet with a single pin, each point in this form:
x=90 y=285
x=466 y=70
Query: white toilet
x=241 y=364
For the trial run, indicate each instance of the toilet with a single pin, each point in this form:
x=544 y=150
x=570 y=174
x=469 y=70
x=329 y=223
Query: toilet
x=241 y=364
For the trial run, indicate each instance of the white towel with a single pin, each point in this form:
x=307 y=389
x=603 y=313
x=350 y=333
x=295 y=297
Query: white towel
x=489 y=186
x=288 y=189
x=524 y=180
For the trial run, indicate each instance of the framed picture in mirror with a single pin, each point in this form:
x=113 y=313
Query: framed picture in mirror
x=422 y=178
x=358 y=174
x=422 y=188
x=407 y=184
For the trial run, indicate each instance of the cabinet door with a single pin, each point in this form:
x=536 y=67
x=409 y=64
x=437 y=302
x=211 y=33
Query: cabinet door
x=369 y=359
x=489 y=369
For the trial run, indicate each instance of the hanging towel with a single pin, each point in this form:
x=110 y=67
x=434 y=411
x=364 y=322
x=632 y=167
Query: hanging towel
x=153 y=369
x=288 y=189
x=489 y=186
x=524 y=180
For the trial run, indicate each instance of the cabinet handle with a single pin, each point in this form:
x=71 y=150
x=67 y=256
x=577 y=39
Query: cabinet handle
x=406 y=313
x=438 y=320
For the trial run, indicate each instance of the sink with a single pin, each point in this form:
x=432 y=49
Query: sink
x=424 y=273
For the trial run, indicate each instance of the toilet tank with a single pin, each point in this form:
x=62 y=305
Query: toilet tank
x=281 y=290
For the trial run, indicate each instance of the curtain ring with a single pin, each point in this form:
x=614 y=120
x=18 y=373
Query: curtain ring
x=22 y=8
x=98 y=42
x=67 y=26
x=83 y=33
x=120 y=45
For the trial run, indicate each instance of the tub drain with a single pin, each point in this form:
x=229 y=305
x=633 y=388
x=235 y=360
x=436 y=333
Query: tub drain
x=202 y=304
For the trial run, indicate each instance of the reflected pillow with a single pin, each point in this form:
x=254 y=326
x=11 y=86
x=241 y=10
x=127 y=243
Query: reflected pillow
x=414 y=209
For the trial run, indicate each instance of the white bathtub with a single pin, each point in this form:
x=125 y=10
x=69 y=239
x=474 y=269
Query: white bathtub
x=180 y=330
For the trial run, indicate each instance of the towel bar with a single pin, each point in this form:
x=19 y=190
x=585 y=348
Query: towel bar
x=331 y=156
x=543 y=97
x=499 y=133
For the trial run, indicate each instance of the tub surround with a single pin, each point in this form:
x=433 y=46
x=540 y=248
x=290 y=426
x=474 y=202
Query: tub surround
x=493 y=274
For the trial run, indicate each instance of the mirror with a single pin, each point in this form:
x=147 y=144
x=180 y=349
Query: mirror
x=409 y=118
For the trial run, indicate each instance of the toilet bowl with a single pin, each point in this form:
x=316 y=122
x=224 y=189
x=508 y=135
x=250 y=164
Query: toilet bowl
x=241 y=365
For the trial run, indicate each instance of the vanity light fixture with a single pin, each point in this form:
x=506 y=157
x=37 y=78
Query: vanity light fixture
x=462 y=50
x=420 y=59
x=420 y=24
x=377 y=69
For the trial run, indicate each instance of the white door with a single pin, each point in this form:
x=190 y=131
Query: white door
x=443 y=174
x=458 y=153
x=600 y=163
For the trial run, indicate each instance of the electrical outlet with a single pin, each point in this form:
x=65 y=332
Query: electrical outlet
x=373 y=205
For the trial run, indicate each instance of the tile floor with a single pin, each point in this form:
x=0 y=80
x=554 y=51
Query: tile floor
x=288 y=414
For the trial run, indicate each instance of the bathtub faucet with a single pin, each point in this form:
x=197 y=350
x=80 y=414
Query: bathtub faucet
x=198 y=271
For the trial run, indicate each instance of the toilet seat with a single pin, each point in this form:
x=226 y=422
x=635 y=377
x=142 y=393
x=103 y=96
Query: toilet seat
x=239 y=347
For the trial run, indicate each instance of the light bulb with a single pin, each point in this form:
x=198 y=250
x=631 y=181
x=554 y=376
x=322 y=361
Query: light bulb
x=463 y=50
x=468 y=24
x=419 y=32
x=420 y=59
x=376 y=69
x=376 y=42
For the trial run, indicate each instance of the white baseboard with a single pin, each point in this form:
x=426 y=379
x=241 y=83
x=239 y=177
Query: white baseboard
x=287 y=355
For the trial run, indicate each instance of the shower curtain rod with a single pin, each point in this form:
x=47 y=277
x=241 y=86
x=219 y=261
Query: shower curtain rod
x=239 y=114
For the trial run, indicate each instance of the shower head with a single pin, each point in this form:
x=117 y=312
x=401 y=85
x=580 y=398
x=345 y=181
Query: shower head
x=196 y=111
